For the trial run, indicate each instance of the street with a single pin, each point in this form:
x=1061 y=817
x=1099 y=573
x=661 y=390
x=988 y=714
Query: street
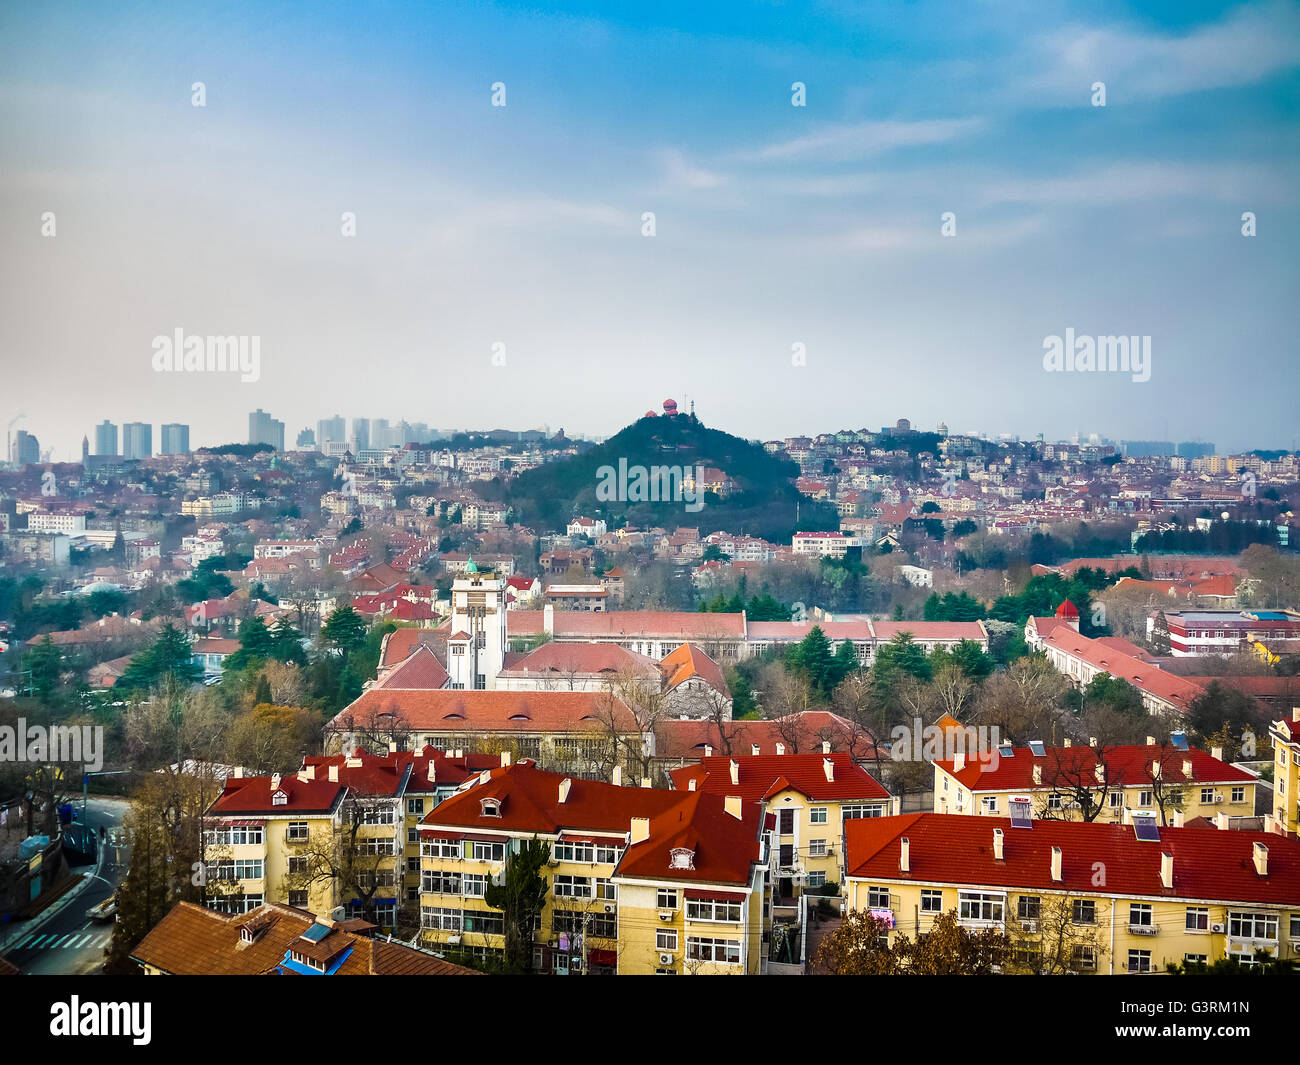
x=69 y=943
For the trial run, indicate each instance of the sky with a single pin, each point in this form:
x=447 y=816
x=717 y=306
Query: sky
x=798 y=279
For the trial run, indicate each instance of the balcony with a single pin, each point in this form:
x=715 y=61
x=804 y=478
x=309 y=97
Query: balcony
x=1143 y=929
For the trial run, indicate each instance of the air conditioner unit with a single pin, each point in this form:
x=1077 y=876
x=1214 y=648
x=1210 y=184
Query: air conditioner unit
x=575 y=965
x=610 y=907
x=1217 y=798
x=552 y=943
x=667 y=915
x=1218 y=928
x=665 y=959
x=453 y=941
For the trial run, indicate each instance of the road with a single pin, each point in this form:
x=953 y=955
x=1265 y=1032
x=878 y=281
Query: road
x=69 y=944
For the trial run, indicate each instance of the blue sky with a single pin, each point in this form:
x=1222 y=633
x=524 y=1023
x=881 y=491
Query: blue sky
x=775 y=225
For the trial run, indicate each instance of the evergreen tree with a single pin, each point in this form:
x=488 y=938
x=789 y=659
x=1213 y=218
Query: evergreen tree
x=521 y=896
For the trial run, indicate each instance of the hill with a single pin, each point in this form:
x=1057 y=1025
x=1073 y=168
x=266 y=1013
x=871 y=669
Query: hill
x=763 y=504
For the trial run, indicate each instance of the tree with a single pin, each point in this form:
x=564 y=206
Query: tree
x=1263 y=963
x=169 y=657
x=1046 y=940
x=1160 y=635
x=521 y=896
x=344 y=629
x=1223 y=710
x=901 y=654
x=858 y=947
x=255 y=643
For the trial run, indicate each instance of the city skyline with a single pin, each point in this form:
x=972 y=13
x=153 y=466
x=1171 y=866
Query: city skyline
x=799 y=273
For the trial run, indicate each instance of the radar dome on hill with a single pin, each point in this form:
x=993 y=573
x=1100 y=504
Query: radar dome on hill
x=670 y=407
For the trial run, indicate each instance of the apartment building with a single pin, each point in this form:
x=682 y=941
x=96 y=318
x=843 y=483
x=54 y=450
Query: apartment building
x=810 y=797
x=1286 y=773
x=1095 y=782
x=639 y=880
x=1080 y=897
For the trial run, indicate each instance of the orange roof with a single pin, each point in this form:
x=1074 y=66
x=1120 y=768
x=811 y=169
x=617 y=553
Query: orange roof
x=688 y=661
x=454 y=710
x=763 y=776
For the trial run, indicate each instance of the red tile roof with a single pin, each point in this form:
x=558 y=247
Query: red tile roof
x=1126 y=766
x=421 y=671
x=246 y=795
x=724 y=848
x=805 y=773
x=687 y=662
x=491 y=711
x=648 y=624
x=957 y=849
x=686 y=739
x=1174 y=690
x=565 y=658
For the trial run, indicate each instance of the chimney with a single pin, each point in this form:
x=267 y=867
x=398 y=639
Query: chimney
x=334 y=772
x=239 y=772
x=1187 y=768
x=732 y=805
x=458 y=753
x=1069 y=742
x=1092 y=741
x=905 y=855
x=896 y=805
x=735 y=773
x=617 y=777
x=690 y=784
x=828 y=767
x=1221 y=820
x=1057 y=874
x=826 y=746
x=433 y=770
x=640 y=830
x=302 y=775
x=958 y=761
x=1157 y=770
x=1261 y=859
x=565 y=785
x=1151 y=741
x=780 y=748
x=997 y=844
x=708 y=751
x=1217 y=753
x=275 y=781
x=753 y=749
x=1099 y=771
x=1167 y=871
x=1295 y=713
x=548 y=618
x=392 y=746
x=1038 y=774
x=645 y=782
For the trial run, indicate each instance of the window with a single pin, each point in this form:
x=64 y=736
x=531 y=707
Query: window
x=1239 y=794
x=1243 y=925
x=979 y=906
x=817 y=815
x=1295 y=926
x=438 y=882
x=606 y=890
x=1054 y=801
x=666 y=939
x=1083 y=959
x=1144 y=798
x=1116 y=799
x=441 y=848
x=1084 y=911
x=712 y=910
x=1198 y=918
x=415 y=806
x=990 y=804
x=569 y=851
x=878 y=898
x=441 y=918
x=608 y=854
x=786 y=821
x=1175 y=798
x=1196 y=959
x=1207 y=796
x=856 y=810
x=488 y=852
x=1139 y=961
x=412 y=835
x=931 y=901
x=378 y=814
x=1028 y=907
x=473 y=885
x=724 y=951
x=487 y=922
x=666 y=899
x=299 y=899
x=1140 y=915
x=490 y=807
x=235 y=835
x=817 y=879
x=573 y=887
x=816 y=848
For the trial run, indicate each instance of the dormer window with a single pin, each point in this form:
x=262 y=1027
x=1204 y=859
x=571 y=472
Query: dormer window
x=681 y=858
x=490 y=807
x=279 y=799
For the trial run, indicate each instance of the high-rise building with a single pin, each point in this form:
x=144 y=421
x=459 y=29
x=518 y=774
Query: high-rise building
x=1195 y=449
x=174 y=439
x=26 y=448
x=137 y=440
x=106 y=438
x=360 y=434
x=331 y=430
x=263 y=429
x=306 y=439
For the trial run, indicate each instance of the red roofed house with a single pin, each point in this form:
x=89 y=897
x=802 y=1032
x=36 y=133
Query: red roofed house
x=811 y=795
x=639 y=880
x=1081 y=658
x=1130 y=898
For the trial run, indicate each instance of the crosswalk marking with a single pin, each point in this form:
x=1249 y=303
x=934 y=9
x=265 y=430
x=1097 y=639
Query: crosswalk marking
x=52 y=941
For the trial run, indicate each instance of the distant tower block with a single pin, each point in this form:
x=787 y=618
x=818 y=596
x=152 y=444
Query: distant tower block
x=476 y=648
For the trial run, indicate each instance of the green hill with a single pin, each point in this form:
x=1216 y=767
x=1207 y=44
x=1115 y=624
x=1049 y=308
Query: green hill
x=763 y=504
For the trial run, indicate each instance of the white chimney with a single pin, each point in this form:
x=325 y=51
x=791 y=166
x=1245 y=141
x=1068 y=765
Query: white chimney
x=896 y=805
x=780 y=748
x=548 y=618
x=275 y=781
x=1178 y=819
x=565 y=785
x=1099 y=771
x=617 y=777
x=997 y=844
x=1217 y=753
x=753 y=749
x=1295 y=713
x=640 y=830
x=239 y=772
x=1261 y=859
x=392 y=746
x=828 y=767
x=1167 y=871
x=1069 y=742
x=1157 y=770
x=732 y=805
x=1221 y=820
x=433 y=770
x=334 y=772
x=645 y=782
x=1038 y=774
x=958 y=761
x=1092 y=741
x=826 y=746
x=1057 y=874
x=708 y=751
x=905 y=855
x=459 y=753
x=505 y=759
x=1187 y=768
x=690 y=784
x=735 y=773
x=302 y=775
